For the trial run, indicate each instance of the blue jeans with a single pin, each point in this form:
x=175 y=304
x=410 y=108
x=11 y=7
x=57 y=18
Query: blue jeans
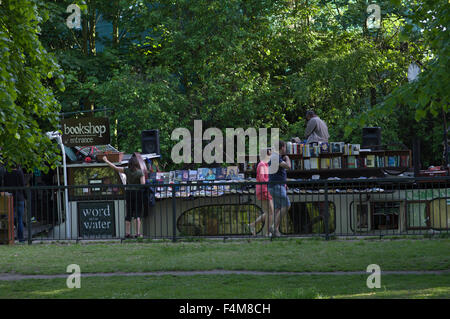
x=18 y=216
x=279 y=196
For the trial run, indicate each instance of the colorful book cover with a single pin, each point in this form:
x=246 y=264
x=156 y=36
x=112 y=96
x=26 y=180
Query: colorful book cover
x=314 y=151
x=251 y=167
x=336 y=162
x=211 y=174
x=314 y=163
x=351 y=161
x=159 y=177
x=201 y=174
x=289 y=148
x=192 y=174
x=185 y=175
x=337 y=147
x=178 y=176
x=221 y=173
x=324 y=148
x=300 y=148
x=391 y=161
x=296 y=164
x=306 y=150
x=165 y=177
x=307 y=164
x=350 y=149
x=346 y=149
x=152 y=178
x=232 y=172
x=183 y=187
x=171 y=176
x=361 y=162
x=355 y=149
x=404 y=161
x=324 y=163
x=370 y=161
x=380 y=161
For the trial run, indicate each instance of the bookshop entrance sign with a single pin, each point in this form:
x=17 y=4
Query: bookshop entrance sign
x=85 y=131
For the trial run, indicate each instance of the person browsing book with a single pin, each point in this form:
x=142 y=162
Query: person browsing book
x=316 y=129
x=134 y=196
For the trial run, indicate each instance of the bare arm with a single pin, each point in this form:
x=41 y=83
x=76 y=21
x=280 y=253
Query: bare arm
x=286 y=163
x=117 y=169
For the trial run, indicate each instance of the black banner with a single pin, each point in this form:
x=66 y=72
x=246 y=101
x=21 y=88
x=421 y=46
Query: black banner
x=96 y=219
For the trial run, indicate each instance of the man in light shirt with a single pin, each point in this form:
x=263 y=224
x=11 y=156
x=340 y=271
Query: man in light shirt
x=316 y=129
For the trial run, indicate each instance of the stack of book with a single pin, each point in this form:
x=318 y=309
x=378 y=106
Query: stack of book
x=201 y=174
x=294 y=148
x=351 y=149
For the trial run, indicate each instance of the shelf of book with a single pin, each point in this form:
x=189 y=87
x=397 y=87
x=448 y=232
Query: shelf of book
x=364 y=163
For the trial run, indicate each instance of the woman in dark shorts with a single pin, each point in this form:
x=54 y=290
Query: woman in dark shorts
x=134 y=196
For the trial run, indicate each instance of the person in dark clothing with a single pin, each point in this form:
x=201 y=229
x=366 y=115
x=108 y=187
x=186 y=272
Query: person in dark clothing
x=134 y=196
x=278 y=191
x=15 y=178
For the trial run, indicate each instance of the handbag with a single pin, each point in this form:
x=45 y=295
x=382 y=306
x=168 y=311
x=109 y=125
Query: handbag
x=151 y=198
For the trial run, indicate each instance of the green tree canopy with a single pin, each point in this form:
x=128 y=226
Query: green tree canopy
x=27 y=75
x=248 y=63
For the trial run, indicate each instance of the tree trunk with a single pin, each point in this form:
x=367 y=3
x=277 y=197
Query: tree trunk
x=115 y=34
x=373 y=96
x=85 y=36
x=92 y=27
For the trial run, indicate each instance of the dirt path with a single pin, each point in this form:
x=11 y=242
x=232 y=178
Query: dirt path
x=10 y=276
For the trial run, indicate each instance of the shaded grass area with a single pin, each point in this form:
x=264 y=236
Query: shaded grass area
x=300 y=255
x=232 y=287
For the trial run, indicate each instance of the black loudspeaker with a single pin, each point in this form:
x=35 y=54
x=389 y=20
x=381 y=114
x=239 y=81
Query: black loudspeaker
x=150 y=142
x=371 y=137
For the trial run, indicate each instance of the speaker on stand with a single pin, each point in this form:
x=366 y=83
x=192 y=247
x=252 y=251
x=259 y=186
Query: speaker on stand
x=150 y=142
x=371 y=138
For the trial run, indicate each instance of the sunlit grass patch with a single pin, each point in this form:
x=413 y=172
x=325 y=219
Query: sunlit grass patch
x=232 y=287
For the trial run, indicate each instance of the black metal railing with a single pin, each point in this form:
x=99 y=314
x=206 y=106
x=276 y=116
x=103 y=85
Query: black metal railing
x=325 y=208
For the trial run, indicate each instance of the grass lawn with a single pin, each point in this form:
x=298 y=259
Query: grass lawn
x=300 y=255
x=292 y=255
x=232 y=287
